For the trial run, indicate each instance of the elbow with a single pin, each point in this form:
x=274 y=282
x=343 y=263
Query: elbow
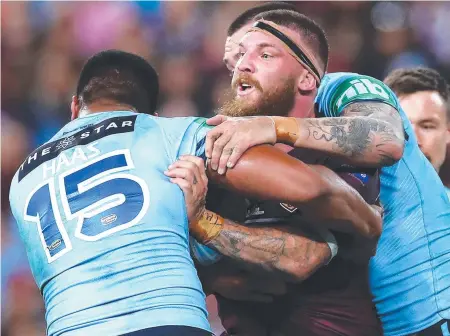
x=321 y=186
x=318 y=189
x=395 y=153
x=391 y=150
x=399 y=149
x=374 y=224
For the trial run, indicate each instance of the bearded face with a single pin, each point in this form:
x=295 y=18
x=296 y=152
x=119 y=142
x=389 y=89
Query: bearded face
x=249 y=98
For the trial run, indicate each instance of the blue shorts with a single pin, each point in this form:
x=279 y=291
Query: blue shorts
x=170 y=331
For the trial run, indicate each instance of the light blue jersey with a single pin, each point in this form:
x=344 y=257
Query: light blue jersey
x=410 y=273
x=105 y=230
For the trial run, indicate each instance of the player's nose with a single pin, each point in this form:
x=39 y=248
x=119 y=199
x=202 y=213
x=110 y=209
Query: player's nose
x=245 y=63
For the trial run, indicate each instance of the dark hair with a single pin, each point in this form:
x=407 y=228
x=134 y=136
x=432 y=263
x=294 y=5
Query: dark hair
x=408 y=81
x=249 y=14
x=119 y=76
x=312 y=34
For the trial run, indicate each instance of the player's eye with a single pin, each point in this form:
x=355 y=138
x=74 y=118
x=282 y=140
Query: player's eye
x=266 y=56
x=429 y=126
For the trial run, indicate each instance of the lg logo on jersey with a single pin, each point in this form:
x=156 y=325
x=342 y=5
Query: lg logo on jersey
x=363 y=86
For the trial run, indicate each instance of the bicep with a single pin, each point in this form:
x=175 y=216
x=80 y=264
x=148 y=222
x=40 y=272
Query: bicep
x=379 y=112
x=267 y=173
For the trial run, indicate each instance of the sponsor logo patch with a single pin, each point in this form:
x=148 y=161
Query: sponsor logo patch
x=288 y=207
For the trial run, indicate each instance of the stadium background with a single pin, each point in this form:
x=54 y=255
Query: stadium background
x=44 y=44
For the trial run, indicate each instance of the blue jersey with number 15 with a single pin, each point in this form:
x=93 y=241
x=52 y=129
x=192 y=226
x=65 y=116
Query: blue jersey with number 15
x=105 y=230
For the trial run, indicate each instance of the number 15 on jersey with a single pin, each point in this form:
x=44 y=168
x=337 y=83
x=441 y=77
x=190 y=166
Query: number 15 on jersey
x=98 y=198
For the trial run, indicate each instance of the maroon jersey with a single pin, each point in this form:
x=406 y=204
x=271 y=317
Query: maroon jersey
x=335 y=301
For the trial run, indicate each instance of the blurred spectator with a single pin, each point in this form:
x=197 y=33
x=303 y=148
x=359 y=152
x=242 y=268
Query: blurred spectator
x=424 y=95
x=44 y=45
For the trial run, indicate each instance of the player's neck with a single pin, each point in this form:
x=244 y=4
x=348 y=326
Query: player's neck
x=303 y=107
x=104 y=106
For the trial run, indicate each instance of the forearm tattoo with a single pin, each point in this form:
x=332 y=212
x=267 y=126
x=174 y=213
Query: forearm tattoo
x=273 y=249
x=358 y=137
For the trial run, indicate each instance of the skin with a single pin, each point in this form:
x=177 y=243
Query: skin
x=270 y=256
x=291 y=253
x=303 y=107
x=231 y=53
x=427 y=112
x=304 y=186
x=369 y=133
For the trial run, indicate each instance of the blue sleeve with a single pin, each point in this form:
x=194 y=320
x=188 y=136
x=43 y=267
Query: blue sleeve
x=179 y=136
x=195 y=138
x=342 y=89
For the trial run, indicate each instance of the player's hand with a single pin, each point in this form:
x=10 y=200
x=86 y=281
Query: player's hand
x=231 y=137
x=189 y=174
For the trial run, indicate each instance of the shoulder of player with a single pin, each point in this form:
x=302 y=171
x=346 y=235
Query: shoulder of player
x=342 y=89
x=175 y=123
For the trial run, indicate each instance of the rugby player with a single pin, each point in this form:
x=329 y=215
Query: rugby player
x=318 y=306
x=106 y=231
x=360 y=123
x=423 y=94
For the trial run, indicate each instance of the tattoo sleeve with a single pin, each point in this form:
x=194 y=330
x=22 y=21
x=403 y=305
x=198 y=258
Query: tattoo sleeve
x=293 y=253
x=368 y=134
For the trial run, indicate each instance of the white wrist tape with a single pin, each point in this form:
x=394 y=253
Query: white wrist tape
x=329 y=238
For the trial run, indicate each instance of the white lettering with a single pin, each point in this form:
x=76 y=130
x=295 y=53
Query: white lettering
x=127 y=123
x=78 y=155
x=46 y=151
x=375 y=88
x=359 y=87
x=112 y=125
x=85 y=135
x=99 y=128
x=49 y=167
x=349 y=93
x=21 y=166
x=34 y=157
x=62 y=160
x=94 y=151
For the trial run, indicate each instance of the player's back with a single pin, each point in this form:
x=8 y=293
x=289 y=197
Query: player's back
x=105 y=231
x=410 y=273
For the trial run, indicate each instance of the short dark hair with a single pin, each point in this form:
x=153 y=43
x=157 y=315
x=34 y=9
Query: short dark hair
x=312 y=34
x=408 y=81
x=119 y=76
x=249 y=14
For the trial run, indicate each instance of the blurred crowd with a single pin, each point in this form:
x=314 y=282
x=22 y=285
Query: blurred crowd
x=44 y=44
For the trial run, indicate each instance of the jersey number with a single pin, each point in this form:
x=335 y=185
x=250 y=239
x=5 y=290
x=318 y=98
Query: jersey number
x=98 y=194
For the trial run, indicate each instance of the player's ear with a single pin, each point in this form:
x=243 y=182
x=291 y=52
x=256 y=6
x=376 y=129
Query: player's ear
x=306 y=82
x=75 y=107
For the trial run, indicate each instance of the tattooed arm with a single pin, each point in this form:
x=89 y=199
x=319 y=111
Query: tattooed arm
x=291 y=252
x=367 y=134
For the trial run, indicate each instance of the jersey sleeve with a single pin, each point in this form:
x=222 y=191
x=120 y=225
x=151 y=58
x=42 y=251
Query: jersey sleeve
x=195 y=138
x=200 y=137
x=341 y=90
